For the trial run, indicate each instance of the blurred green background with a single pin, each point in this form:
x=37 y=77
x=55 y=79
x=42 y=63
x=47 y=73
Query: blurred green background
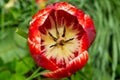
x=16 y=62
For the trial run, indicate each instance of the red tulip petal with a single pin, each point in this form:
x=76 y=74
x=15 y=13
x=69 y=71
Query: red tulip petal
x=39 y=18
x=34 y=44
x=89 y=28
x=65 y=7
x=84 y=43
x=59 y=73
x=78 y=62
x=44 y=62
x=90 y=34
x=72 y=67
x=42 y=12
x=34 y=40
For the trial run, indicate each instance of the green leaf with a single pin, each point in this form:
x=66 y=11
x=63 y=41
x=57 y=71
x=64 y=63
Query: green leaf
x=17 y=77
x=5 y=75
x=9 y=47
x=24 y=65
x=21 y=33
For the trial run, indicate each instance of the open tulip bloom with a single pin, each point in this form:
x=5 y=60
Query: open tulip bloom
x=59 y=37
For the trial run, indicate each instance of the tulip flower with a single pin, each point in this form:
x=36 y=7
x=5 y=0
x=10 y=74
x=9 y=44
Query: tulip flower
x=59 y=37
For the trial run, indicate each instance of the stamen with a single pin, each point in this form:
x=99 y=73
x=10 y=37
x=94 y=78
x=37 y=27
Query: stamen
x=69 y=40
x=63 y=35
x=57 y=32
x=55 y=39
x=53 y=45
x=56 y=18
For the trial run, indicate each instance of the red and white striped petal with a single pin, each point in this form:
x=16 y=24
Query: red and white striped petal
x=59 y=73
x=42 y=61
x=39 y=18
x=72 y=67
x=77 y=63
x=88 y=26
x=34 y=40
x=34 y=45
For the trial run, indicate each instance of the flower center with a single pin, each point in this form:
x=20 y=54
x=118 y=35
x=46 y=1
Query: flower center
x=60 y=40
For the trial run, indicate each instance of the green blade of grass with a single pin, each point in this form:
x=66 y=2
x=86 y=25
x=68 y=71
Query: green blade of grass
x=115 y=58
x=35 y=74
